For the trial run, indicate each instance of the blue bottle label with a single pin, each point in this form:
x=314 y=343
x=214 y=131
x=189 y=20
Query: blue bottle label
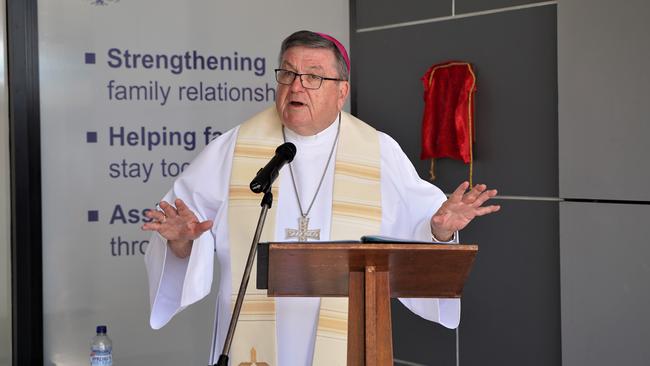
x=101 y=358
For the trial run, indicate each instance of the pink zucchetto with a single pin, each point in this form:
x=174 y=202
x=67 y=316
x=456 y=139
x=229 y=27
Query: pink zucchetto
x=339 y=46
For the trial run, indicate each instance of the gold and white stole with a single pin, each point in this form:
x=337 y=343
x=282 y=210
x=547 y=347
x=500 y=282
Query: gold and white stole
x=356 y=211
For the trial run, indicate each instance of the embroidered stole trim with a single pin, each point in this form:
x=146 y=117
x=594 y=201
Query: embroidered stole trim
x=356 y=211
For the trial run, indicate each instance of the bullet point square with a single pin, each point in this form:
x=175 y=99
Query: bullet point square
x=93 y=216
x=90 y=58
x=91 y=136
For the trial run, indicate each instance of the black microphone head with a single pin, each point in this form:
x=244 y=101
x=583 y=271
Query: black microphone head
x=286 y=151
x=265 y=176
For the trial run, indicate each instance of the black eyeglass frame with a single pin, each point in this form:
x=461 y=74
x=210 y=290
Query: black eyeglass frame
x=295 y=74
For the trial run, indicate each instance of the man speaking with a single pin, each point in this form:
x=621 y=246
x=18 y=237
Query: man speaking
x=346 y=180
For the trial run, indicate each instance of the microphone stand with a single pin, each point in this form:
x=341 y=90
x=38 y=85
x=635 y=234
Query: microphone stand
x=266 y=203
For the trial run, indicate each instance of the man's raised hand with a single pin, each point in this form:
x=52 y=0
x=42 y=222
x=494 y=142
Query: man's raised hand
x=179 y=225
x=460 y=209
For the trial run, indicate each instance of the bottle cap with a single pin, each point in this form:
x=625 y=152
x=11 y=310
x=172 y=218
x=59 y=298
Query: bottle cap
x=101 y=329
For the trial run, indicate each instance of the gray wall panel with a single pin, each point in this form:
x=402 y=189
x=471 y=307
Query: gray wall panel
x=514 y=55
x=419 y=341
x=511 y=304
x=603 y=58
x=372 y=13
x=469 y=6
x=605 y=269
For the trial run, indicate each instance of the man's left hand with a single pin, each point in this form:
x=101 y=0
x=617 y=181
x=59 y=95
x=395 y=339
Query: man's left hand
x=460 y=209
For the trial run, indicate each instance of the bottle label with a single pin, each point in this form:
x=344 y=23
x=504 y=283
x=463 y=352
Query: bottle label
x=101 y=358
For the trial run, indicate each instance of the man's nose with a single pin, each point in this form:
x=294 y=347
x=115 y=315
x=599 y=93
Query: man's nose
x=296 y=85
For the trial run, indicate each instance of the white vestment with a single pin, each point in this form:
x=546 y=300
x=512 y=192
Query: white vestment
x=408 y=203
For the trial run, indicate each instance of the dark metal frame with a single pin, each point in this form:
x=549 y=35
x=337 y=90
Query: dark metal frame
x=25 y=147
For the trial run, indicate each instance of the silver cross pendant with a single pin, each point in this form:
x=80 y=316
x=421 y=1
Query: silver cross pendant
x=303 y=233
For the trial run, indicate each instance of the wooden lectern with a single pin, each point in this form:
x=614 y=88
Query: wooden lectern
x=369 y=274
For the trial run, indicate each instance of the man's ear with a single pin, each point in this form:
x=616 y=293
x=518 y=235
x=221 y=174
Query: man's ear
x=344 y=91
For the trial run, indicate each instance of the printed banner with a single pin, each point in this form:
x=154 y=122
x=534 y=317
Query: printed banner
x=131 y=91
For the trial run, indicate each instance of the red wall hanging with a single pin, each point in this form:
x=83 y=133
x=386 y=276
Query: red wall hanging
x=448 y=121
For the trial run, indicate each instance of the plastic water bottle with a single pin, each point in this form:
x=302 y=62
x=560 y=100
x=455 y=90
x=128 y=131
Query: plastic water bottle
x=101 y=348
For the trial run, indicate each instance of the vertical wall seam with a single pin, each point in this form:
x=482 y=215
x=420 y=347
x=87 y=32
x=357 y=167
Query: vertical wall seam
x=457 y=346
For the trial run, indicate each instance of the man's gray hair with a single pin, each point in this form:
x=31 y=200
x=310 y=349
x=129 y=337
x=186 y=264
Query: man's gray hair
x=310 y=39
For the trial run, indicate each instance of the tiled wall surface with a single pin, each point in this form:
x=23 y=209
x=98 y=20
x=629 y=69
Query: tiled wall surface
x=603 y=57
x=511 y=304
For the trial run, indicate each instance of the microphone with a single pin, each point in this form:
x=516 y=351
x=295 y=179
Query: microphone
x=265 y=176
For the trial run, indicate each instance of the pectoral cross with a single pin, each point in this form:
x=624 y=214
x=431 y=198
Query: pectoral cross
x=303 y=233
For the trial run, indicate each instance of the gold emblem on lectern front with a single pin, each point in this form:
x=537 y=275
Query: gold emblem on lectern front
x=253 y=360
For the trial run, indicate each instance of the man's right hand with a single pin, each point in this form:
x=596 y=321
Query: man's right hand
x=179 y=225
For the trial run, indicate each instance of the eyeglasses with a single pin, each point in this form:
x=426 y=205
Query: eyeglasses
x=308 y=81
